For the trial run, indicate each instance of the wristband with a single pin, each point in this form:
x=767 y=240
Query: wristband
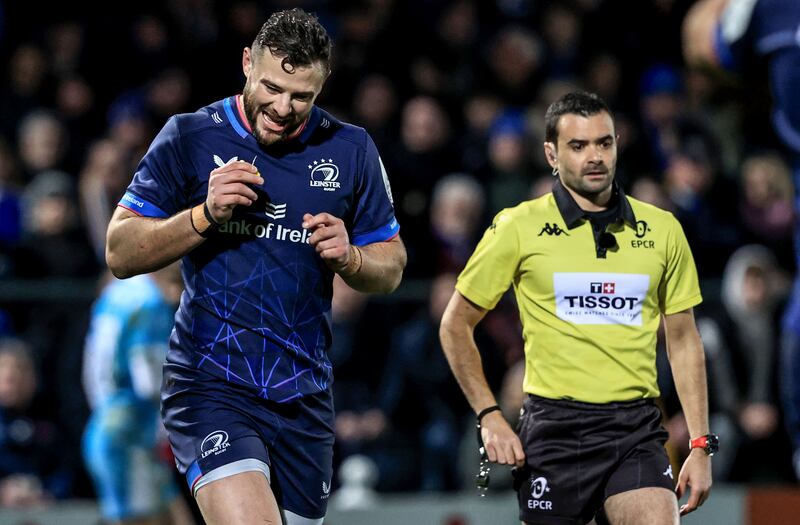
x=486 y=411
x=355 y=263
x=202 y=216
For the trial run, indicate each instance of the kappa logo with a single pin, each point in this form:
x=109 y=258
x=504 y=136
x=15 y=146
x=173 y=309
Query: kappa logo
x=324 y=174
x=668 y=472
x=215 y=443
x=552 y=229
x=275 y=211
x=218 y=161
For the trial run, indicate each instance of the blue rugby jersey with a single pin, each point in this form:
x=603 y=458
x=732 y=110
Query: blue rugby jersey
x=257 y=304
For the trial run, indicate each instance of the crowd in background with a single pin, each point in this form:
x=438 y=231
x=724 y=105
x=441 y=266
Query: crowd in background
x=453 y=92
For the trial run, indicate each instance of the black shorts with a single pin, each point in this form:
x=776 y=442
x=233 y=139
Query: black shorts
x=579 y=454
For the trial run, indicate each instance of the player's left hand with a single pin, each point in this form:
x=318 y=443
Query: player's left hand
x=696 y=474
x=329 y=237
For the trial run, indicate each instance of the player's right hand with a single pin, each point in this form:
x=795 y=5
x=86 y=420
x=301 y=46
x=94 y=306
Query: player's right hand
x=501 y=443
x=228 y=187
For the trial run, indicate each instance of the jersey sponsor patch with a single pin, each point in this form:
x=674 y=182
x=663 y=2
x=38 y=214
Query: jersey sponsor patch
x=600 y=298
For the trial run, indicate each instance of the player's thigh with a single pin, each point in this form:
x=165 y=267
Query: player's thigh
x=644 y=506
x=241 y=499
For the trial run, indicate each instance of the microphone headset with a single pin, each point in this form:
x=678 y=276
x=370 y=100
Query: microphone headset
x=607 y=240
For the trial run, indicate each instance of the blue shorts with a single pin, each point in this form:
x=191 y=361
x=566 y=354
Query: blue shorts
x=218 y=429
x=120 y=454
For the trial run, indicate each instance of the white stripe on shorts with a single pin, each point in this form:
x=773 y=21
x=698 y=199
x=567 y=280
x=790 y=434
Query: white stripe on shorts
x=237 y=467
x=290 y=518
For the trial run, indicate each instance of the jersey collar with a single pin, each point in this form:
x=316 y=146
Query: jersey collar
x=573 y=215
x=234 y=110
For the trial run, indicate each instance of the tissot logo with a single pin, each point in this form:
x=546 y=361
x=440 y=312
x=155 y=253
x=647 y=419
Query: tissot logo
x=600 y=298
x=607 y=288
x=552 y=229
x=324 y=174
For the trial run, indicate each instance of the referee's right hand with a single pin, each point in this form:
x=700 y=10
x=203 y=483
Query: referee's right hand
x=228 y=187
x=501 y=442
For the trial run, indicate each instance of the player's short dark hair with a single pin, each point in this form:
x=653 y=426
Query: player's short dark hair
x=576 y=103
x=296 y=37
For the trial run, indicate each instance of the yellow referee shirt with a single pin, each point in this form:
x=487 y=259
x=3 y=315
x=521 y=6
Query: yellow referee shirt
x=590 y=302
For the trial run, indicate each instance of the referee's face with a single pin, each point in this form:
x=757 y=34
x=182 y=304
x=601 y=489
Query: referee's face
x=586 y=156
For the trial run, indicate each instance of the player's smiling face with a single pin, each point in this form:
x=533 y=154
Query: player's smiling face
x=586 y=156
x=276 y=101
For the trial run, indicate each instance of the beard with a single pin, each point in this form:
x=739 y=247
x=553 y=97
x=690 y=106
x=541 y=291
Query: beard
x=253 y=113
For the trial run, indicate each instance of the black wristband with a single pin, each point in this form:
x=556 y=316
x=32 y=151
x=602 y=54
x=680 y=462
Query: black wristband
x=214 y=225
x=487 y=411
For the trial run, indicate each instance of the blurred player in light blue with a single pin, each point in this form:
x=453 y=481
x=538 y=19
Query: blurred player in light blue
x=125 y=348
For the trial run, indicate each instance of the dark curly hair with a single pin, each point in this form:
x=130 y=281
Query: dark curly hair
x=296 y=37
x=576 y=103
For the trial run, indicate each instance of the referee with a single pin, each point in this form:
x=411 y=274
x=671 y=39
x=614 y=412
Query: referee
x=593 y=272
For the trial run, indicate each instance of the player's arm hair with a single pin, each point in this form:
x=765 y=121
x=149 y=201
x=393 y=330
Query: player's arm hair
x=698 y=31
x=688 y=363
x=458 y=343
x=136 y=245
x=378 y=267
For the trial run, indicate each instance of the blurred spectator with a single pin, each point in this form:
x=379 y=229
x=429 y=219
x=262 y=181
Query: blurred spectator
x=358 y=355
x=766 y=208
x=27 y=72
x=648 y=190
x=125 y=440
x=33 y=470
x=734 y=35
x=375 y=108
x=10 y=207
x=102 y=184
x=423 y=156
x=480 y=110
x=421 y=399
x=661 y=100
x=509 y=173
x=54 y=243
x=741 y=341
x=513 y=65
x=42 y=143
x=457 y=208
x=702 y=202
x=561 y=29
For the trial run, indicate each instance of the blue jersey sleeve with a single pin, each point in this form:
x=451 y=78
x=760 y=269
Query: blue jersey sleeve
x=374 y=219
x=158 y=188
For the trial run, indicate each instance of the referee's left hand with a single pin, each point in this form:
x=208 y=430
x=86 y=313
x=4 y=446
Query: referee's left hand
x=696 y=474
x=329 y=237
x=502 y=444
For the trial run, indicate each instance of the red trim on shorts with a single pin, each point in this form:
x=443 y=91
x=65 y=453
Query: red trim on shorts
x=130 y=210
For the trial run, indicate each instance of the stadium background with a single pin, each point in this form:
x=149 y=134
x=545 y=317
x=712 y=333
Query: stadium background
x=453 y=92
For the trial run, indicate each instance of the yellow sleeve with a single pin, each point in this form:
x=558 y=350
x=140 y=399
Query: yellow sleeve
x=680 y=287
x=491 y=268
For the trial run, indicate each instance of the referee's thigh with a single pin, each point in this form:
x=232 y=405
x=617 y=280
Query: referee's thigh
x=241 y=499
x=644 y=506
